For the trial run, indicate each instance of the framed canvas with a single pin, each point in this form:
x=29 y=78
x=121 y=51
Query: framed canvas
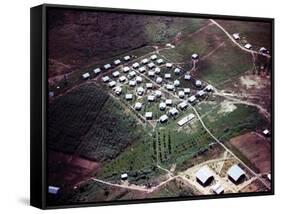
x=133 y=106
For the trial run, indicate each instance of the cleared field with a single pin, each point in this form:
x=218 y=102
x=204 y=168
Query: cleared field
x=260 y=156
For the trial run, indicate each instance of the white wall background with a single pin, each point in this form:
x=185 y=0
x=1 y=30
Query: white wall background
x=14 y=106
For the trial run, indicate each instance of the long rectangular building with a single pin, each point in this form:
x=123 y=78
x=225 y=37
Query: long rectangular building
x=186 y=119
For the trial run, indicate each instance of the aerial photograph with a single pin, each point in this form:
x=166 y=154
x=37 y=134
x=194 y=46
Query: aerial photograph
x=144 y=106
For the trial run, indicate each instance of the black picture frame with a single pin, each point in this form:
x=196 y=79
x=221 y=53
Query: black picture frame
x=39 y=101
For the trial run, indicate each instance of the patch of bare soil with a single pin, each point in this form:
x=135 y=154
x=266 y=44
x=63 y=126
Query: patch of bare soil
x=226 y=107
x=256 y=149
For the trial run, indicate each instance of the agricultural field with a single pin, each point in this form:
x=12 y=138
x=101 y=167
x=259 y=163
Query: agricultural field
x=143 y=114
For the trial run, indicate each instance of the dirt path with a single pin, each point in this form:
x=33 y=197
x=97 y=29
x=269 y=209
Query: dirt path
x=236 y=43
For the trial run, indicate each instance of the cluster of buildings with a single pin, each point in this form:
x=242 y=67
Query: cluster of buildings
x=205 y=177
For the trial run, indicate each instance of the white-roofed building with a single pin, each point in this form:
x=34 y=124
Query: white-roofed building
x=117 y=62
x=169 y=102
x=148 y=115
x=53 y=190
x=173 y=111
x=209 y=88
x=105 y=79
x=142 y=69
x=181 y=94
x=162 y=106
x=132 y=74
x=129 y=96
x=157 y=70
x=144 y=61
x=236 y=36
x=160 y=61
x=138 y=106
x=164 y=118
x=186 y=90
x=217 y=188
x=118 y=90
x=187 y=77
x=159 y=80
x=122 y=79
x=151 y=98
x=115 y=73
x=235 y=174
x=266 y=132
x=149 y=85
x=176 y=83
x=204 y=176
x=195 y=56
x=126 y=69
x=153 y=57
x=127 y=58
x=124 y=176
x=112 y=84
x=167 y=76
x=158 y=93
x=169 y=65
x=186 y=119
x=107 y=66
x=97 y=70
x=263 y=50
x=248 y=46
x=198 y=83
x=139 y=79
x=170 y=87
x=136 y=65
x=192 y=99
x=151 y=73
x=140 y=91
x=86 y=76
x=183 y=105
x=151 y=65
x=200 y=93
x=132 y=83
x=177 y=71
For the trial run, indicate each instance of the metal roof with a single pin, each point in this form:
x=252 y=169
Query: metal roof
x=204 y=174
x=235 y=172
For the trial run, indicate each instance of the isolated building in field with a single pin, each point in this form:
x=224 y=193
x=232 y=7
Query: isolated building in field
x=167 y=76
x=105 y=79
x=117 y=62
x=176 y=83
x=169 y=65
x=186 y=90
x=266 y=132
x=53 y=190
x=157 y=70
x=151 y=65
x=153 y=57
x=127 y=58
x=158 y=93
x=97 y=70
x=191 y=99
x=149 y=85
x=148 y=115
x=151 y=73
x=140 y=91
x=183 y=105
x=177 y=71
x=173 y=111
x=160 y=61
x=159 y=80
x=115 y=73
x=122 y=79
x=236 y=36
x=235 y=174
x=144 y=61
x=112 y=84
x=129 y=96
x=162 y=106
x=186 y=119
x=164 y=118
x=181 y=94
x=187 y=77
x=151 y=98
x=138 y=106
x=136 y=65
x=204 y=176
x=138 y=79
x=217 y=188
x=132 y=83
x=86 y=76
x=248 y=46
x=142 y=69
x=195 y=56
x=263 y=50
x=124 y=176
x=126 y=69
x=107 y=66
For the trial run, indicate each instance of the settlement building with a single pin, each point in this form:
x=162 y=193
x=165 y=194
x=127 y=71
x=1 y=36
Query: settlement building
x=248 y=46
x=86 y=76
x=129 y=96
x=53 y=190
x=164 y=118
x=97 y=70
x=107 y=66
x=126 y=69
x=153 y=57
x=138 y=106
x=122 y=79
x=117 y=62
x=127 y=58
x=105 y=79
x=218 y=188
x=148 y=115
x=235 y=173
x=186 y=119
x=204 y=176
